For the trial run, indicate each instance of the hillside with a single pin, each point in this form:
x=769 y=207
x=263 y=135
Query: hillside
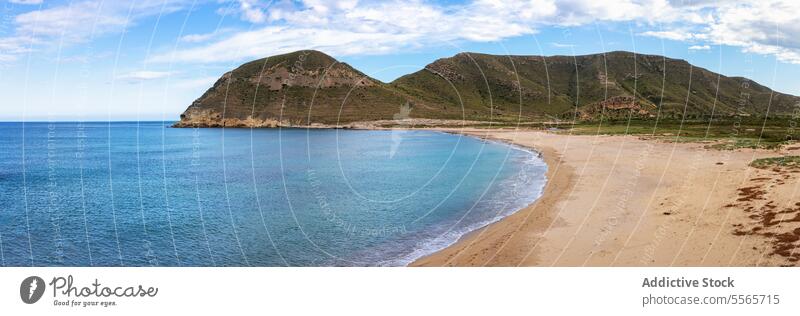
x=308 y=87
x=299 y=88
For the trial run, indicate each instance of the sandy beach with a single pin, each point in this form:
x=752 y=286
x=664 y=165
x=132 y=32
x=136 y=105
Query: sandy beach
x=628 y=201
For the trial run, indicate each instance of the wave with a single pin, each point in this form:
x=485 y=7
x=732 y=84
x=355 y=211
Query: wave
x=510 y=195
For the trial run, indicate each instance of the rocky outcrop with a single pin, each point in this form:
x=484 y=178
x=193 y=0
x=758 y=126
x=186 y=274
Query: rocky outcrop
x=211 y=118
x=617 y=107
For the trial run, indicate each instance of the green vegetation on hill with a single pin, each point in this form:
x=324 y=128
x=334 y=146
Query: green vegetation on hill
x=301 y=88
x=309 y=87
x=611 y=85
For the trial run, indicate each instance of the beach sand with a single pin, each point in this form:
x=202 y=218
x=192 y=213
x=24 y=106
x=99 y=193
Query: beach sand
x=627 y=201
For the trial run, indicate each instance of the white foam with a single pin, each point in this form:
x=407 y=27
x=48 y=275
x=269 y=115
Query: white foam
x=508 y=205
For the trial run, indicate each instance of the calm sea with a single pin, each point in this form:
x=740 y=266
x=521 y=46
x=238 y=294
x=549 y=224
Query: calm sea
x=145 y=194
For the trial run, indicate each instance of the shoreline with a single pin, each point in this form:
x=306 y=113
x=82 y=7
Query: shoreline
x=250 y=123
x=551 y=192
x=536 y=153
x=627 y=201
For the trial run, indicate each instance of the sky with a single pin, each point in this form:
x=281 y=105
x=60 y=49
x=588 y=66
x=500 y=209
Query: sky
x=149 y=59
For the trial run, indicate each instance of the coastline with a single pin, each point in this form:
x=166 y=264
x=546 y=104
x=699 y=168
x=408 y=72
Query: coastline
x=554 y=188
x=535 y=154
x=218 y=122
x=626 y=201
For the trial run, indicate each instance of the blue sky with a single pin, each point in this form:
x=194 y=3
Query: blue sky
x=129 y=60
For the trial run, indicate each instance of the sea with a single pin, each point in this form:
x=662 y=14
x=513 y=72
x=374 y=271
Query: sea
x=147 y=194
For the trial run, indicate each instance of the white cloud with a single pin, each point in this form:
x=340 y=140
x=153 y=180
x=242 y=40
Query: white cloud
x=359 y=27
x=699 y=47
x=277 y=40
x=12 y=47
x=675 y=35
x=561 y=45
x=29 y=2
x=352 y=27
x=79 y=22
x=375 y=27
x=348 y=27
x=68 y=22
x=143 y=75
x=197 y=38
x=767 y=27
x=252 y=11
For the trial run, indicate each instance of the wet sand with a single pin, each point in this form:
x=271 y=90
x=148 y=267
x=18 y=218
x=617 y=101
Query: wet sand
x=626 y=201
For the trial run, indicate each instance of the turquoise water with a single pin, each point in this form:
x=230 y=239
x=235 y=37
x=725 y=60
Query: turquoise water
x=144 y=194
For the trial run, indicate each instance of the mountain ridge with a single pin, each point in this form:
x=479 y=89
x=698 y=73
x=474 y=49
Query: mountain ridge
x=308 y=88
